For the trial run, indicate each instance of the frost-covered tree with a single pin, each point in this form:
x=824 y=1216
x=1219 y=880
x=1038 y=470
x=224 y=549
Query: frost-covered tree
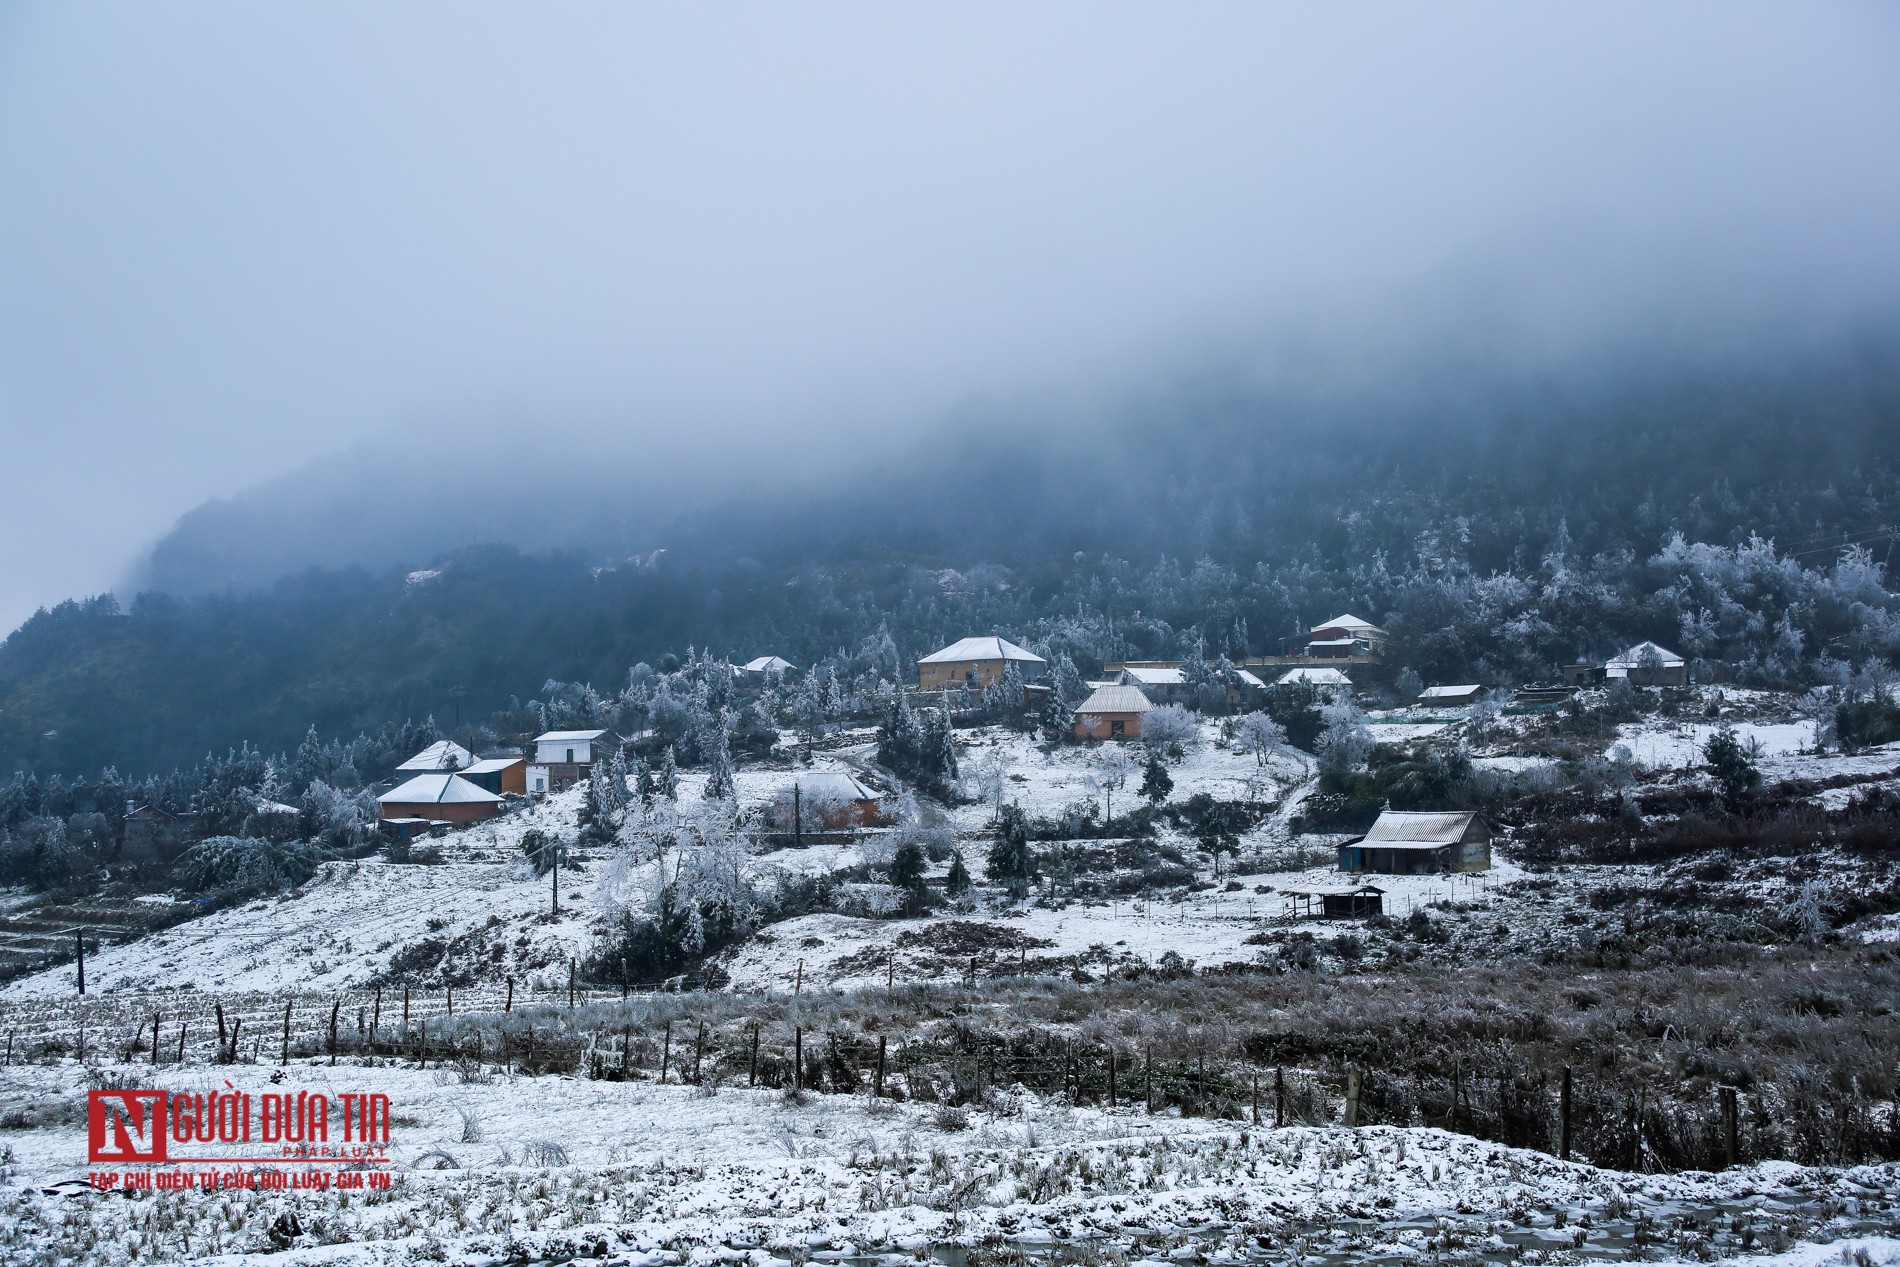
x=1110 y=775
x=1156 y=782
x=719 y=784
x=1409 y=685
x=1261 y=735
x=1344 y=740
x=1169 y=729
x=669 y=776
x=1011 y=863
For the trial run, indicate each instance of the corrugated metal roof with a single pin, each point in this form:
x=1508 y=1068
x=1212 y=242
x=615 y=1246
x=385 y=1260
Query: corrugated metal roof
x=493 y=765
x=766 y=664
x=1154 y=677
x=1248 y=679
x=437 y=789
x=981 y=649
x=1449 y=692
x=1633 y=658
x=1119 y=698
x=1410 y=827
x=834 y=784
x=1315 y=677
x=564 y=736
x=437 y=757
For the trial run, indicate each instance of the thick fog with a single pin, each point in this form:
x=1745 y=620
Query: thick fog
x=476 y=261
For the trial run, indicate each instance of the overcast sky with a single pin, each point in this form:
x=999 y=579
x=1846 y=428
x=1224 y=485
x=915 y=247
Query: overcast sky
x=236 y=237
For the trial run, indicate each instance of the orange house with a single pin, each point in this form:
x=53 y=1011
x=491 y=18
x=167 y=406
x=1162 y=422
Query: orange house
x=1112 y=712
x=976 y=663
x=441 y=798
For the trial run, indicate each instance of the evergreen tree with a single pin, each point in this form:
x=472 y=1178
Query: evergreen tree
x=907 y=873
x=669 y=775
x=644 y=786
x=957 y=882
x=1156 y=782
x=310 y=764
x=1733 y=768
x=1012 y=864
x=719 y=785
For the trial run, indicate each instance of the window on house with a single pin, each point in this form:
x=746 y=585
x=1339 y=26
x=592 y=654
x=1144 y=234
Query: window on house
x=1117 y=728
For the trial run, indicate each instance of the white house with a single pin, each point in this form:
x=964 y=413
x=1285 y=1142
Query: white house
x=1647 y=664
x=562 y=758
x=766 y=664
x=1327 y=680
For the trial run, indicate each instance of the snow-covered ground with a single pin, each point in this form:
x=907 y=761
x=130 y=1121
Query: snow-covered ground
x=489 y=1167
x=1658 y=745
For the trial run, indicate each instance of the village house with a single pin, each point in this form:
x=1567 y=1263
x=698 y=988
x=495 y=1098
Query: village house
x=766 y=666
x=504 y=776
x=976 y=663
x=1326 y=680
x=152 y=834
x=1345 y=637
x=1450 y=696
x=563 y=758
x=826 y=800
x=444 y=754
x=1161 y=683
x=1406 y=842
x=1112 y=712
x=1647 y=664
x=440 y=797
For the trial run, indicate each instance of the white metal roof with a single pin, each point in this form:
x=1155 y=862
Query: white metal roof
x=1348 y=621
x=1449 y=692
x=1154 y=677
x=1247 y=678
x=766 y=664
x=990 y=648
x=437 y=789
x=568 y=736
x=1633 y=658
x=275 y=807
x=1119 y=698
x=834 y=785
x=444 y=754
x=493 y=765
x=1314 y=677
x=1334 y=890
x=1419 y=829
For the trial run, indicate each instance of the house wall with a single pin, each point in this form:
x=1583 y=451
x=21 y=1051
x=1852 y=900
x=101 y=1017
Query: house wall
x=557 y=753
x=453 y=812
x=955 y=673
x=1101 y=725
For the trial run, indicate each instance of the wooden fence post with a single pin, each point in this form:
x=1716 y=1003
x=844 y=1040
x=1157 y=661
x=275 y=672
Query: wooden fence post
x=1731 y=1143
x=1111 y=1077
x=623 y=979
x=798 y=1054
x=509 y=1006
x=752 y=1064
x=237 y=1023
x=181 y=1044
x=223 y=1038
x=405 y=1009
x=1148 y=1077
x=79 y=940
x=572 y=969
x=666 y=1051
x=1279 y=1095
x=376 y=1016
x=878 y=1086
x=699 y=1047
x=798 y=981
x=1563 y=1118
x=1353 y=1083
x=284 y=1056
x=1256 y=1097
x=335 y=1007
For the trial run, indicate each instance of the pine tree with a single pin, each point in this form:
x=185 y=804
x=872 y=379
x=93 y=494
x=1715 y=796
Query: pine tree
x=643 y=783
x=669 y=775
x=1156 y=782
x=957 y=882
x=1012 y=864
x=719 y=785
x=310 y=763
x=907 y=873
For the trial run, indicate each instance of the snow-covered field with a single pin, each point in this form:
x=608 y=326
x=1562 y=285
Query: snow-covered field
x=489 y=1167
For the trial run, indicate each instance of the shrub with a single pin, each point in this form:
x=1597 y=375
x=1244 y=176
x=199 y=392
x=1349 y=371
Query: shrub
x=246 y=864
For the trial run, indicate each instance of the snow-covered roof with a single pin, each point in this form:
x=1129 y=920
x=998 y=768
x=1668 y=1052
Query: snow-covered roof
x=1449 y=692
x=1633 y=658
x=991 y=648
x=492 y=765
x=1154 y=677
x=766 y=664
x=569 y=736
x=1419 y=830
x=1335 y=890
x=275 y=807
x=1247 y=678
x=1314 y=677
x=834 y=785
x=437 y=789
x=1119 y=698
x=1348 y=621
x=444 y=754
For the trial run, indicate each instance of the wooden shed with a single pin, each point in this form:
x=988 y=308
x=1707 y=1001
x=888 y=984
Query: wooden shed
x=1352 y=901
x=1406 y=842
